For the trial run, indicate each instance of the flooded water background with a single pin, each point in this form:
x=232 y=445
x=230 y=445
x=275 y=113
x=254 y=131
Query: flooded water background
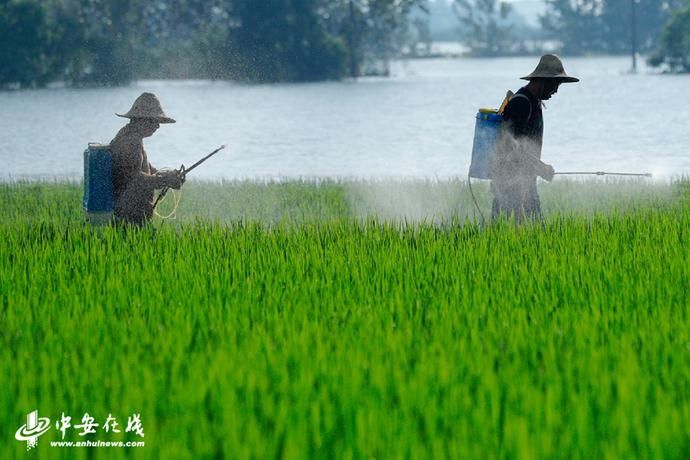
x=419 y=123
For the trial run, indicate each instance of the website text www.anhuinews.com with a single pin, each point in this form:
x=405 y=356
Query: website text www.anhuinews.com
x=97 y=444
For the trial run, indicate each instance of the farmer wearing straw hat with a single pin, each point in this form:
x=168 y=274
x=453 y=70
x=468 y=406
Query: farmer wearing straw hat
x=134 y=178
x=517 y=162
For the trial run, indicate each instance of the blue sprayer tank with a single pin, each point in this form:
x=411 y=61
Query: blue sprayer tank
x=486 y=134
x=98 y=183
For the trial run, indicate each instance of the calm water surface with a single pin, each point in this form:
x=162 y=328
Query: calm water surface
x=419 y=123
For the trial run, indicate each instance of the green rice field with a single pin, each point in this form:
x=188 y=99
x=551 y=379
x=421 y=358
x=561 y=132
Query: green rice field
x=351 y=319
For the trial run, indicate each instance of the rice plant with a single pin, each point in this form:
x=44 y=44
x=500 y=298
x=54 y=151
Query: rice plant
x=302 y=320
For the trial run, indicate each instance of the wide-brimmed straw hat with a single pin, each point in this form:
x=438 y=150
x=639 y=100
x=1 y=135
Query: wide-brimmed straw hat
x=550 y=66
x=147 y=106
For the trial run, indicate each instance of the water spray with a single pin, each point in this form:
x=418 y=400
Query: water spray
x=560 y=173
x=184 y=171
x=487 y=133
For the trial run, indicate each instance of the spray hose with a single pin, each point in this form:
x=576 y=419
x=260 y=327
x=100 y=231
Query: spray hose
x=474 y=198
x=177 y=197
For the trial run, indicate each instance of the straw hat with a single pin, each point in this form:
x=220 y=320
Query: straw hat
x=550 y=66
x=147 y=106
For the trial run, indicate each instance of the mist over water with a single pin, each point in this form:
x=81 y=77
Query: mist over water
x=418 y=124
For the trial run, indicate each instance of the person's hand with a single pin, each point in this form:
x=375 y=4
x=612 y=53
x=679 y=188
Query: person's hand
x=548 y=172
x=174 y=179
x=182 y=173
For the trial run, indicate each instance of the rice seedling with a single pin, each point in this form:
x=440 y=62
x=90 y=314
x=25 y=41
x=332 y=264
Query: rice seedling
x=303 y=320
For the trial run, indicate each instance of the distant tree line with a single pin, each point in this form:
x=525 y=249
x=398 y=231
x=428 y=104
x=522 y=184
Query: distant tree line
x=580 y=27
x=491 y=28
x=605 y=26
x=110 y=42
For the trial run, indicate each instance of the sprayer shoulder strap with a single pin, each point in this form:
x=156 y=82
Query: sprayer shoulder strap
x=528 y=101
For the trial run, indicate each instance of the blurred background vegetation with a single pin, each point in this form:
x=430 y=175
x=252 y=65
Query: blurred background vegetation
x=570 y=27
x=111 y=42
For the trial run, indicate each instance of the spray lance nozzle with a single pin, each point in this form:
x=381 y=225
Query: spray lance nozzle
x=182 y=172
x=601 y=173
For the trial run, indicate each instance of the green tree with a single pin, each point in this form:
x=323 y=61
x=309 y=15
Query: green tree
x=388 y=29
x=485 y=26
x=616 y=19
x=605 y=26
x=23 y=44
x=373 y=31
x=183 y=39
x=282 y=40
x=674 y=49
x=421 y=37
x=576 y=25
x=110 y=42
x=98 y=46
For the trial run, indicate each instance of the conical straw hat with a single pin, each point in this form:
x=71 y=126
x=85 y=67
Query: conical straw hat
x=550 y=66
x=147 y=106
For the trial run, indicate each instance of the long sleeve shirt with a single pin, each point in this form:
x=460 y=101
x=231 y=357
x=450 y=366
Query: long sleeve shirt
x=134 y=179
x=518 y=157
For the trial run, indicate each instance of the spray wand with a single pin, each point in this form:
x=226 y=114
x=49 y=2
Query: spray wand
x=184 y=172
x=603 y=173
x=564 y=173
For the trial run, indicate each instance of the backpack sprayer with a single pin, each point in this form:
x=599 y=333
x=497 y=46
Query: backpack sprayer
x=487 y=131
x=99 y=200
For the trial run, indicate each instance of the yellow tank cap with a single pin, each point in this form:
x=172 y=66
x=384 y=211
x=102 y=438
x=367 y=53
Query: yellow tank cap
x=488 y=111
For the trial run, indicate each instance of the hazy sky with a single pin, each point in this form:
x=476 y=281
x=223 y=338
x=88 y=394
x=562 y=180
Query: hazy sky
x=444 y=22
x=529 y=9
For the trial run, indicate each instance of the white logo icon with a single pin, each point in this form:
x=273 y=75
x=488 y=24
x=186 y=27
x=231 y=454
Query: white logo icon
x=34 y=428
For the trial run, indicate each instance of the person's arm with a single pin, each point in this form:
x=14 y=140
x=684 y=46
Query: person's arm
x=173 y=179
x=532 y=164
x=538 y=167
x=161 y=179
x=129 y=164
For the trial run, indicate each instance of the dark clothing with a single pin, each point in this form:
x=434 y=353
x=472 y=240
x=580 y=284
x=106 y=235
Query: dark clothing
x=525 y=116
x=517 y=200
x=133 y=179
x=517 y=161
